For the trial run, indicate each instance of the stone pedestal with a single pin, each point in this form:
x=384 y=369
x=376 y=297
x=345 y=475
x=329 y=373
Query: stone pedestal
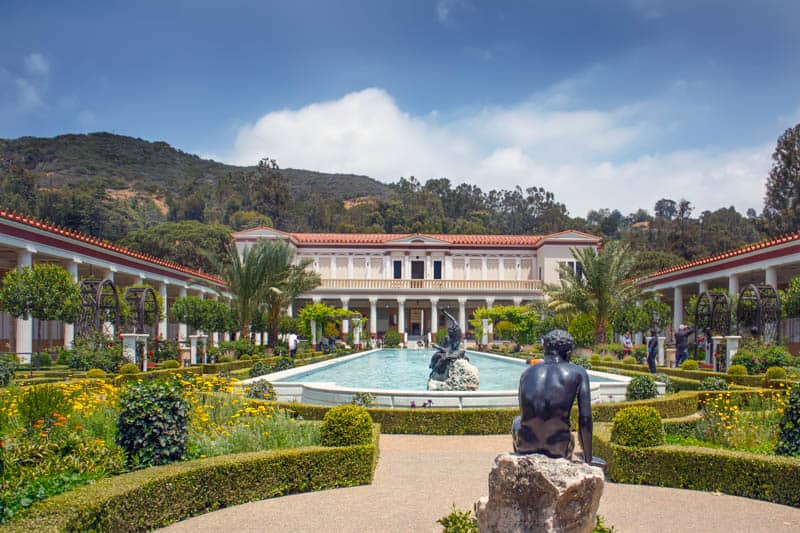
x=731 y=347
x=717 y=341
x=129 y=342
x=661 y=354
x=533 y=493
x=193 y=342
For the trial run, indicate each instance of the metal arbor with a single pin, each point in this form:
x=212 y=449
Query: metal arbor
x=758 y=313
x=144 y=310
x=100 y=305
x=712 y=316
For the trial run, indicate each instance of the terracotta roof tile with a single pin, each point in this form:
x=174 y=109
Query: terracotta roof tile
x=382 y=238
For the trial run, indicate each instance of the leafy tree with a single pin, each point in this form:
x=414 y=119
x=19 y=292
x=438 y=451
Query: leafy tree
x=666 y=209
x=189 y=310
x=790 y=298
x=648 y=262
x=322 y=314
x=600 y=288
x=217 y=316
x=782 y=203
x=524 y=324
x=42 y=291
x=249 y=219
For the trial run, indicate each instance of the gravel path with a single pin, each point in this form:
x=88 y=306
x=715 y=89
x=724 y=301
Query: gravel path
x=419 y=477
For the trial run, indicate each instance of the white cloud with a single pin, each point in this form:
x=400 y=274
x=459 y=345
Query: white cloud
x=36 y=64
x=28 y=96
x=446 y=10
x=590 y=158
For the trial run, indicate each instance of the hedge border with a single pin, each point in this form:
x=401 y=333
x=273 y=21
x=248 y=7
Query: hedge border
x=679 y=384
x=761 y=477
x=158 y=496
x=698 y=375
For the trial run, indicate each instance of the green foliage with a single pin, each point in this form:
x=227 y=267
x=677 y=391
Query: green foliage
x=503 y=330
x=441 y=336
x=391 y=339
x=8 y=367
x=582 y=329
x=775 y=372
x=641 y=388
x=95 y=350
x=170 y=363
x=782 y=201
x=737 y=370
x=690 y=364
x=152 y=423
x=39 y=405
x=639 y=427
x=129 y=368
x=712 y=383
x=225 y=359
x=459 y=521
x=629 y=360
x=96 y=373
x=608 y=358
x=594 y=358
x=363 y=399
x=790 y=298
x=789 y=438
x=346 y=425
x=666 y=380
x=758 y=357
x=261 y=390
x=260 y=368
x=240 y=347
x=601 y=527
x=282 y=363
x=188 y=310
x=581 y=361
x=520 y=324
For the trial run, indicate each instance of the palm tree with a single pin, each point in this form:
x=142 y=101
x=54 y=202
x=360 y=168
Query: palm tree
x=244 y=276
x=599 y=288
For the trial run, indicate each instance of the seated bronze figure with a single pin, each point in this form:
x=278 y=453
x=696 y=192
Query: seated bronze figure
x=546 y=393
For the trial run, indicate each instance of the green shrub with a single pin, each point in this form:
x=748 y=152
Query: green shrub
x=392 y=339
x=789 y=437
x=666 y=380
x=595 y=358
x=240 y=347
x=639 y=427
x=737 y=370
x=96 y=373
x=757 y=358
x=630 y=360
x=363 y=399
x=170 y=363
x=775 y=372
x=608 y=358
x=459 y=521
x=38 y=405
x=282 y=363
x=225 y=359
x=641 y=388
x=261 y=368
x=690 y=364
x=152 y=423
x=581 y=361
x=129 y=368
x=95 y=350
x=582 y=329
x=712 y=383
x=8 y=366
x=45 y=361
x=262 y=390
x=245 y=357
x=639 y=353
x=346 y=425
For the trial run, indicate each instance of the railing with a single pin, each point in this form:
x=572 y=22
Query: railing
x=431 y=284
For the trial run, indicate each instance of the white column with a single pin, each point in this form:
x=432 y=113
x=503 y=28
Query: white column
x=434 y=316
x=489 y=302
x=290 y=311
x=677 y=309
x=771 y=277
x=702 y=287
x=345 y=321
x=448 y=267
x=108 y=327
x=69 y=329
x=24 y=345
x=183 y=330
x=501 y=267
x=406 y=267
x=517 y=300
x=373 y=317
x=462 y=315
x=484 y=268
x=518 y=267
x=428 y=267
x=387 y=267
x=162 y=326
x=488 y=324
x=401 y=317
x=733 y=284
x=349 y=267
x=660 y=356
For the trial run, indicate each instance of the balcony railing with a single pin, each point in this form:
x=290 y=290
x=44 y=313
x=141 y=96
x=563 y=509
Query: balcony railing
x=431 y=284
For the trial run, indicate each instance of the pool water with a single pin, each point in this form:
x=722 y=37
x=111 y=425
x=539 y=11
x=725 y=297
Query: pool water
x=397 y=369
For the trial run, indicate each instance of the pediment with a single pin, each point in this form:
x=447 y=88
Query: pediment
x=418 y=238
x=260 y=233
x=572 y=235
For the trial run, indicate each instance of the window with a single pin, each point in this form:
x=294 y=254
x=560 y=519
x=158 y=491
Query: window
x=398 y=269
x=437 y=270
x=575 y=266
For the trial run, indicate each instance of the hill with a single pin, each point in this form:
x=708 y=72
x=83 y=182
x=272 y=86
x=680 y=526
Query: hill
x=156 y=167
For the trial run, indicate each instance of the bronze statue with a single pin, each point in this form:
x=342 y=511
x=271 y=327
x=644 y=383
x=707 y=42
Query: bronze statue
x=546 y=393
x=445 y=356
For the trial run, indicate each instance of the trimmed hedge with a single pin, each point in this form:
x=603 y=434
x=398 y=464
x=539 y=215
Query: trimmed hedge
x=155 y=374
x=155 y=497
x=685 y=426
x=761 y=477
x=678 y=384
x=698 y=375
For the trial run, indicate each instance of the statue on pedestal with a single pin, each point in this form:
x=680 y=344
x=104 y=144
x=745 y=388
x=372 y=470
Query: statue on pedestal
x=450 y=367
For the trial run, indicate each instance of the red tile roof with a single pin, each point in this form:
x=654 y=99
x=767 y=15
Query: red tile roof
x=382 y=238
x=725 y=255
x=88 y=239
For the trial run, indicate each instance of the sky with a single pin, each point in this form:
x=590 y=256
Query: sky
x=607 y=103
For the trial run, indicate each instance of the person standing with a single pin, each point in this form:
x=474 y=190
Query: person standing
x=292 y=344
x=627 y=344
x=682 y=344
x=652 y=350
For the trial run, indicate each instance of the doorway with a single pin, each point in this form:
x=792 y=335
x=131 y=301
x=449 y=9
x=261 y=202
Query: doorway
x=417 y=269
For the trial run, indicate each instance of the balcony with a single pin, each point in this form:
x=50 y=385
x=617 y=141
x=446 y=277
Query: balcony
x=431 y=284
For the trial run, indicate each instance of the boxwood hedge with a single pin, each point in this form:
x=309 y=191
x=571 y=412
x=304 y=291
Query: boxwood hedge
x=699 y=375
x=761 y=477
x=154 y=497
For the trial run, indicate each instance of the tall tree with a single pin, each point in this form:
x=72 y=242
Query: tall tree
x=782 y=203
x=244 y=275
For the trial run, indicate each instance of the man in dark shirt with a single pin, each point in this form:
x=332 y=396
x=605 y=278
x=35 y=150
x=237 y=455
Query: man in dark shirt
x=652 y=350
x=682 y=344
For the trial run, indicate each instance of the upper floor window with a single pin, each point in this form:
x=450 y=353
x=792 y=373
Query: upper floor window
x=575 y=266
x=437 y=270
x=397 y=265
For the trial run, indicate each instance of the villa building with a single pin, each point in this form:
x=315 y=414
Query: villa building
x=402 y=281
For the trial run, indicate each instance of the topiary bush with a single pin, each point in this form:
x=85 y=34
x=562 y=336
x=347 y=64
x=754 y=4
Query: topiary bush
x=595 y=358
x=129 y=368
x=775 y=372
x=690 y=364
x=641 y=388
x=608 y=358
x=245 y=357
x=261 y=390
x=346 y=425
x=640 y=427
x=712 y=383
x=581 y=361
x=260 y=368
x=283 y=363
x=737 y=370
x=152 y=423
x=629 y=360
x=789 y=438
x=225 y=359
x=391 y=339
x=170 y=363
x=96 y=373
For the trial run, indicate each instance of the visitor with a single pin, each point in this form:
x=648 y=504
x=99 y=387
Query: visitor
x=652 y=350
x=627 y=344
x=292 y=344
x=682 y=344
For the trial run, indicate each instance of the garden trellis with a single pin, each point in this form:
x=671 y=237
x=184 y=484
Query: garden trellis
x=758 y=314
x=99 y=306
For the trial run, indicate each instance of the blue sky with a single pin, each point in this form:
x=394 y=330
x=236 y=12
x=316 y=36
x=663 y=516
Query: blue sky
x=609 y=103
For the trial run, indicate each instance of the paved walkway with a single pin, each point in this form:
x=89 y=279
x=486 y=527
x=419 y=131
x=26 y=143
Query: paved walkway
x=419 y=477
